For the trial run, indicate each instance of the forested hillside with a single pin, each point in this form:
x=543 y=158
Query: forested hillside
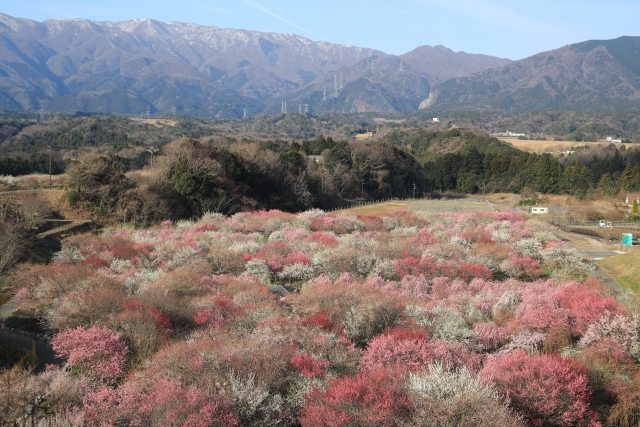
x=226 y=166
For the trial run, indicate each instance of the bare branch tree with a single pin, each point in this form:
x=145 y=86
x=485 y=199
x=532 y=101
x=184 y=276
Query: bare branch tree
x=221 y=203
x=33 y=210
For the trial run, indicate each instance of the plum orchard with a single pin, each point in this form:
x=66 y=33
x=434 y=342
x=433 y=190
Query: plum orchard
x=400 y=320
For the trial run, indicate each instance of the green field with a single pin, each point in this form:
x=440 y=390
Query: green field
x=625 y=269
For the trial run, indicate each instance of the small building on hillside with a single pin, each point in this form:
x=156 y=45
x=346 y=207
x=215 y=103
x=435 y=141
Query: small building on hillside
x=538 y=210
x=317 y=159
x=631 y=197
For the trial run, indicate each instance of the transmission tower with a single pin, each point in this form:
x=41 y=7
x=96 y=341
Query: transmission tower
x=103 y=106
x=283 y=109
x=174 y=110
x=373 y=62
x=401 y=65
x=341 y=80
x=244 y=114
x=306 y=108
x=324 y=94
x=148 y=112
x=335 y=85
x=41 y=110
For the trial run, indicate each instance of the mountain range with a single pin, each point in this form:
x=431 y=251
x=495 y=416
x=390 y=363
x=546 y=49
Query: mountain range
x=145 y=65
x=596 y=75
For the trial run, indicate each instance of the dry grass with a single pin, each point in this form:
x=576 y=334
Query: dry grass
x=157 y=122
x=364 y=136
x=379 y=208
x=540 y=147
x=625 y=269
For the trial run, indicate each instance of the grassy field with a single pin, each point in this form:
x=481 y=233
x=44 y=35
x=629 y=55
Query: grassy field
x=156 y=122
x=379 y=208
x=459 y=205
x=625 y=269
x=544 y=146
x=364 y=136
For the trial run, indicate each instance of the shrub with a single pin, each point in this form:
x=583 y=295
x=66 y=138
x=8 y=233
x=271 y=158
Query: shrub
x=623 y=329
x=309 y=366
x=585 y=306
x=415 y=354
x=546 y=390
x=164 y=403
x=490 y=335
x=96 y=352
x=372 y=399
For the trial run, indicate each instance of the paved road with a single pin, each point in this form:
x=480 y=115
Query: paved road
x=7 y=309
x=598 y=255
x=615 y=287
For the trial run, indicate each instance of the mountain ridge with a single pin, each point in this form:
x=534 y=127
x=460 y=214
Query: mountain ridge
x=595 y=75
x=127 y=67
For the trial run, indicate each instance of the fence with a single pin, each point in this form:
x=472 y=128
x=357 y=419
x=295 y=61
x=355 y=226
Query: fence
x=594 y=224
x=613 y=234
x=365 y=203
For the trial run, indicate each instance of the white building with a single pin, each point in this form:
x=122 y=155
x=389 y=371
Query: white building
x=539 y=210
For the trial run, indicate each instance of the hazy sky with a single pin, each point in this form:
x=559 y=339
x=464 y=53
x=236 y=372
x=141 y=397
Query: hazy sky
x=512 y=29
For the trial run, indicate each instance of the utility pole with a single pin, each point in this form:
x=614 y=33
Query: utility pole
x=569 y=188
x=414 y=190
x=152 y=150
x=50 y=179
x=362 y=189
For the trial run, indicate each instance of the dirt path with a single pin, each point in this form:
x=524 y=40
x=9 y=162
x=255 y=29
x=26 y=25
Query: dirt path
x=34 y=190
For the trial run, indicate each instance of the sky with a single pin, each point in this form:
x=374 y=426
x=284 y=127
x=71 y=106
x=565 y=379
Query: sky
x=508 y=29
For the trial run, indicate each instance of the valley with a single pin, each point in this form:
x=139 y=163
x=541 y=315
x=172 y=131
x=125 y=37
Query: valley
x=216 y=227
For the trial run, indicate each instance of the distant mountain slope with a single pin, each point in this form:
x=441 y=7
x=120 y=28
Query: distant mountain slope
x=130 y=66
x=390 y=83
x=597 y=75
